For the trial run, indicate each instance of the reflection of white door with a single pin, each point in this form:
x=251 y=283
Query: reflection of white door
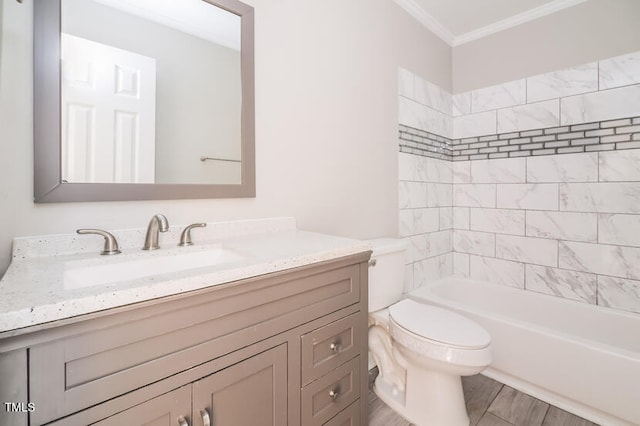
x=108 y=113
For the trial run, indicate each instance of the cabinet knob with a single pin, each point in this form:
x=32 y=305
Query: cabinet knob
x=334 y=393
x=182 y=421
x=335 y=346
x=206 y=420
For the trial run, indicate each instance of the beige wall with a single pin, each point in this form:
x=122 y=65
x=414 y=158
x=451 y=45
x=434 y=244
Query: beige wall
x=593 y=30
x=326 y=123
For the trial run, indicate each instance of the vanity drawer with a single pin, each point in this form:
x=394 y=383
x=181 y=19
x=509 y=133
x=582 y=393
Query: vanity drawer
x=330 y=394
x=117 y=354
x=327 y=347
x=350 y=416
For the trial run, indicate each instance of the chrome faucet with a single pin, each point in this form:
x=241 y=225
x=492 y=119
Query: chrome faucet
x=157 y=223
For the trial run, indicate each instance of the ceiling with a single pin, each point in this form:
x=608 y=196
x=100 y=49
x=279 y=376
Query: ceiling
x=461 y=21
x=195 y=17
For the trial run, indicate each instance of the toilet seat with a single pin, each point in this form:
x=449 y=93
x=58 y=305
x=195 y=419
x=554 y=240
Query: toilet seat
x=439 y=325
x=435 y=334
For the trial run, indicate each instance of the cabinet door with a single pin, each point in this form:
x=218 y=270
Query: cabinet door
x=251 y=392
x=170 y=409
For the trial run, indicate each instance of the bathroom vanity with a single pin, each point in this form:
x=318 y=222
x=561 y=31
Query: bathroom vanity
x=275 y=336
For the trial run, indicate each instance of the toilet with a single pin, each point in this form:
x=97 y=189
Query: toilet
x=421 y=350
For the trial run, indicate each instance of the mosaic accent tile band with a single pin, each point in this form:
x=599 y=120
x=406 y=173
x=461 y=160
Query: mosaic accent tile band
x=610 y=135
x=425 y=144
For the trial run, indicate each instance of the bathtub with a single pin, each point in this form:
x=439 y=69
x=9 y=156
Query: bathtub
x=579 y=357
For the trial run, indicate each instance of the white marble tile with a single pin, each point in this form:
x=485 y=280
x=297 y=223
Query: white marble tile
x=414 y=114
x=432 y=96
x=416 y=248
x=600 y=197
x=461 y=172
x=406 y=222
x=446 y=218
x=620 y=166
x=426 y=220
x=538 y=251
x=412 y=195
x=432 y=269
x=581 y=167
x=462 y=104
x=406 y=83
x=499 y=96
x=480 y=243
x=411 y=113
x=561 y=282
x=619 y=229
x=530 y=116
x=536 y=196
x=617 y=261
x=619 y=293
x=563 y=225
x=508 y=170
x=439 y=195
x=408 y=278
x=438 y=243
x=620 y=71
x=567 y=82
x=604 y=105
x=461 y=217
x=498 y=221
x=497 y=271
x=461 y=265
x=434 y=170
x=418 y=221
x=474 y=195
x=407 y=166
x=466 y=126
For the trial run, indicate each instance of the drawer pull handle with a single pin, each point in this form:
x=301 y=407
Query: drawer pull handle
x=182 y=421
x=334 y=393
x=206 y=420
x=335 y=346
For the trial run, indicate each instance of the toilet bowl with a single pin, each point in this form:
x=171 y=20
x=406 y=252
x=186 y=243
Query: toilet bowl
x=421 y=350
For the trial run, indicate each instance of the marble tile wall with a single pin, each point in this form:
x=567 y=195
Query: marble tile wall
x=520 y=214
x=569 y=228
x=425 y=200
x=597 y=91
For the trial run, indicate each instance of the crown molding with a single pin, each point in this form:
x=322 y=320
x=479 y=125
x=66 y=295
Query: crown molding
x=427 y=20
x=515 y=20
x=443 y=32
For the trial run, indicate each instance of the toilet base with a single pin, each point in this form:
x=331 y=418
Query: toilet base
x=431 y=398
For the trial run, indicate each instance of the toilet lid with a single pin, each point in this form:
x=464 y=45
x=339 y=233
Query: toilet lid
x=440 y=325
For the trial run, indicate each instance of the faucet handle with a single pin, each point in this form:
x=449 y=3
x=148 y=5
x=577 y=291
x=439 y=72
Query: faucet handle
x=185 y=237
x=110 y=242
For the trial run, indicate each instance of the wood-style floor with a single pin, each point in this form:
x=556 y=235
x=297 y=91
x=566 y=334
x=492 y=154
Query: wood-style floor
x=489 y=403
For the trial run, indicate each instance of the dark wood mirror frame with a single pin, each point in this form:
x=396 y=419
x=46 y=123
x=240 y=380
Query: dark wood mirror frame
x=48 y=185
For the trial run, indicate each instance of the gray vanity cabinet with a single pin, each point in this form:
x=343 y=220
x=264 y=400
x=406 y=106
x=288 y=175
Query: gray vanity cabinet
x=251 y=392
x=163 y=410
x=286 y=348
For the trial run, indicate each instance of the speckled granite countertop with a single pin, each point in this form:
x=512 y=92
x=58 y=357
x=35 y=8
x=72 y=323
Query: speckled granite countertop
x=34 y=289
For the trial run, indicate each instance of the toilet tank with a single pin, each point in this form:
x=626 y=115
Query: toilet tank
x=386 y=272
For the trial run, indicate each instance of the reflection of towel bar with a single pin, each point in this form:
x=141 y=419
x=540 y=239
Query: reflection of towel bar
x=218 y=159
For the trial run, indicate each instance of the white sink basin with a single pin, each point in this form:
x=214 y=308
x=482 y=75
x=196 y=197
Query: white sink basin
x=79 y=275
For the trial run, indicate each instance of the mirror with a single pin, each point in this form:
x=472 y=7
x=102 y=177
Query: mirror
x=142 y=100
